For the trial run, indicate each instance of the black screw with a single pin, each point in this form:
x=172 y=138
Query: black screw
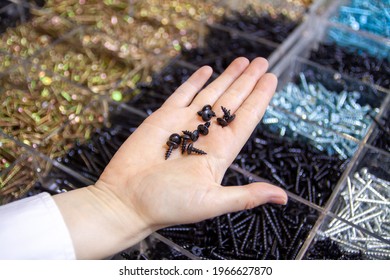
x=222 y=122
x=193 y=135
x=206 y=113
x=274 y=226
x=185 y=138
x=232 y=233
x=204 y=128
x=196 y=251
x=257 y=230
x=206 y=107
x=227 y=117
x=173 y=143
x=191 y=149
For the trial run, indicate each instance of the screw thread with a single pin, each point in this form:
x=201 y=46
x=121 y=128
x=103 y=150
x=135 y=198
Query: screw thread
x=183 y=146
x=196 y=151
x=225 y=111
x=169 y=152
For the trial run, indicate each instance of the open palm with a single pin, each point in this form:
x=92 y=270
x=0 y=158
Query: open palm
x=186 y=188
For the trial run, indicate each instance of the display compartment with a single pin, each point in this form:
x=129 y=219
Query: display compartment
x=89 y=158
x=143 y=33
x=290 y=9
x=21 y=168
x=294 y=164
x=368 y=17
x=349 y=52
x=27 y=171
x=148 y=97
x=55 y=178
x=324 y=97
x=380 y=137
x=222 y=45
x=277 y=23
x=78 y=129
x=365 y=192
x=346 y=242
x=273 y=25
x=357 y=224
x=7 y=61
x=9 y=151
x=37 y=103
x=265 y=232
x=29 y=39
x=155 y=247
x=18 y=174
x=97 y=71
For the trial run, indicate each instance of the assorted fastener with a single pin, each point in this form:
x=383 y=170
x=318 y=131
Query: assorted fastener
x=227 y=117
x=265 y=232
x=342 y=111
x=365 y=203
x=356 y=63
x=112 y=65
x=206 y=113
x=187 y=138
x=295 y=166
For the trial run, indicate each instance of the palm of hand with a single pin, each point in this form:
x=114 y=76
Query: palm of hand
x=186 y=188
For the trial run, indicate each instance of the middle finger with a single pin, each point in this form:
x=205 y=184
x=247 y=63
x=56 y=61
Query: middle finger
x=213 y=91
x=236 y=94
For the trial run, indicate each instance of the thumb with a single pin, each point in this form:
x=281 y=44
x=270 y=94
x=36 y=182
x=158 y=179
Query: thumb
x=236 y=198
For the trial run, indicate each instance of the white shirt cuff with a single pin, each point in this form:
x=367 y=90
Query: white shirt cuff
x=33 y=228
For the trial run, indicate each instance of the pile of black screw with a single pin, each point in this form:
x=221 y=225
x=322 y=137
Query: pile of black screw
x=89 y=159
x=57 y=181
x=295 y=166
x=357 y=64
x=149 y=97
x=156 y=251
x=327 y=249
x=12 y=14
x=275 y=29
x=381 y=136
x=222 y=47
x=265 y=232
x=187 y=139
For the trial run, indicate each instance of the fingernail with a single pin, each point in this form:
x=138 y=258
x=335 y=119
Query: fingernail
x=279 y=200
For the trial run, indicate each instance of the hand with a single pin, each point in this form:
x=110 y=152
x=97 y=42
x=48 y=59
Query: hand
x=140 y=192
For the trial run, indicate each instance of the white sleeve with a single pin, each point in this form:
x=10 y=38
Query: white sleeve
x=33 y=228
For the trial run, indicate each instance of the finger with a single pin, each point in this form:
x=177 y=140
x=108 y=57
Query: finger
x=252 y=110
x=237 y=198
x=213 y=91
x=243 y=86
x=184 y=94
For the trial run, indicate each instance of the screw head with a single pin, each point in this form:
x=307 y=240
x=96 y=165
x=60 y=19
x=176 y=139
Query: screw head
x=206 y=107
x=195 y=135
x=175 y=138
x=207 y=115
x=203 y=129
x=222 y=122
x=230 y=118
x=172 y=144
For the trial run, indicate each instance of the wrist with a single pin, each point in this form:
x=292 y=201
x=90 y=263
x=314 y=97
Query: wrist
x=100 y=224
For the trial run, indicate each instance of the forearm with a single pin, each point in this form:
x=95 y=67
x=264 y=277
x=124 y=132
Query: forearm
x=100 y=224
